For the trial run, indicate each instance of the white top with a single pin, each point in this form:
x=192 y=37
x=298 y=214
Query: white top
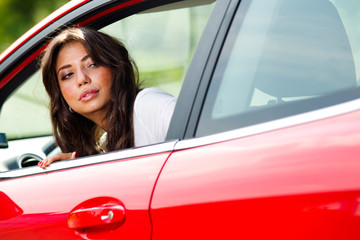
x=153 y=109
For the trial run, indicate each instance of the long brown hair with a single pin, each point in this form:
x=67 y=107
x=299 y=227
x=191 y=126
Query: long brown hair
x=72 y=131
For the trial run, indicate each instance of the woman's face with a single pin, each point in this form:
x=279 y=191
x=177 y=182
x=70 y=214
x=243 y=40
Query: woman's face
x=85 y=86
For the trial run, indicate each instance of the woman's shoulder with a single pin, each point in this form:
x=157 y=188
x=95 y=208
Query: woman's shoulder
x=152 y=97
x=153 y=102
x=152 y=92
x=153 y=110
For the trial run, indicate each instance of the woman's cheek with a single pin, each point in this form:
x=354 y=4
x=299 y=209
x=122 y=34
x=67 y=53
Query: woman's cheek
x=68 y=92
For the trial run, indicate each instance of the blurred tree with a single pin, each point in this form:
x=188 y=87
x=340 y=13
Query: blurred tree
x=18 y=16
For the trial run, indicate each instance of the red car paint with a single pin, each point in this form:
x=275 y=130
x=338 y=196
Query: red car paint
x=301 y=182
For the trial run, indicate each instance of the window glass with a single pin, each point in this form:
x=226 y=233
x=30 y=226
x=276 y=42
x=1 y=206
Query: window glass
x=278 y=53
x=349 y=12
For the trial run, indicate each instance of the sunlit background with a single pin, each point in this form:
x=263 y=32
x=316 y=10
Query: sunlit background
x=18 y=16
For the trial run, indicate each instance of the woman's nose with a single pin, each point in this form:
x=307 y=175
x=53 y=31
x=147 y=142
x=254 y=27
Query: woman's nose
x=82 y=78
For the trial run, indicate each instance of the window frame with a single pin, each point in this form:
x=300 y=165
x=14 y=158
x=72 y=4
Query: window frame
x=198 y=76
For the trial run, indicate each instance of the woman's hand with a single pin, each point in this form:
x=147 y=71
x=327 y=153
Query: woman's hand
x=58 y=157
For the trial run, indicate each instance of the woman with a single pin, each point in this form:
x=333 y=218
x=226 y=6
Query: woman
x=96 y=103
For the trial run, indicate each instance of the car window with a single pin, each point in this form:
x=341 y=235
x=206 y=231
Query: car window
x=161 y=42
x=281 y=58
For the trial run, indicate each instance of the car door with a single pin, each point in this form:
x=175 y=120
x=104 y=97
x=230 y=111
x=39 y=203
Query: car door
x=271 y=149
x=97 y=200
x=105 y=196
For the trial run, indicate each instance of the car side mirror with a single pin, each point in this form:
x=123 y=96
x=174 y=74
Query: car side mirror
x=3 y=141
x=8 y=208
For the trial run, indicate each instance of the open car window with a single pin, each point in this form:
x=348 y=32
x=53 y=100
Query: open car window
x=161 y=41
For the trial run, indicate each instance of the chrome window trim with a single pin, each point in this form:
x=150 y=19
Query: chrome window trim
x=297 y=119
x=94 y=159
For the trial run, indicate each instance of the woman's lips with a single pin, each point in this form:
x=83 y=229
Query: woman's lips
x=88 y=95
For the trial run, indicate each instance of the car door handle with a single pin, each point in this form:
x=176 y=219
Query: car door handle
x=97 y=212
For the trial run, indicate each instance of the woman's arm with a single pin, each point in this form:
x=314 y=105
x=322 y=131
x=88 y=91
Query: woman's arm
x=58 y=157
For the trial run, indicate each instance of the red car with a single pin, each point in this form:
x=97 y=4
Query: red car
x=264 y=142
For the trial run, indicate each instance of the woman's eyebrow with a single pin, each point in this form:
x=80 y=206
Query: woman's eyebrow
x=63 y=67
x=85 y=58
x=69 y=65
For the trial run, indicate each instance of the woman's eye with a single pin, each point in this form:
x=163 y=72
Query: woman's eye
x=66 y=76
x=92 y=65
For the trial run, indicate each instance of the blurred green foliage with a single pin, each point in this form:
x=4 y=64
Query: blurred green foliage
x=18 y=16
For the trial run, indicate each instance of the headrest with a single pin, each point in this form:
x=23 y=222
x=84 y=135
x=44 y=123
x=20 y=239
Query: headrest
x=307 y=51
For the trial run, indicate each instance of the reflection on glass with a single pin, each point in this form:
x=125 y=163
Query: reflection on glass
x=281 y=51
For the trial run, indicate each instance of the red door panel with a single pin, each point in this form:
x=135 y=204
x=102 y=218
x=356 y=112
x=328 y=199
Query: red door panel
x=300 y=182
x=108 y=200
